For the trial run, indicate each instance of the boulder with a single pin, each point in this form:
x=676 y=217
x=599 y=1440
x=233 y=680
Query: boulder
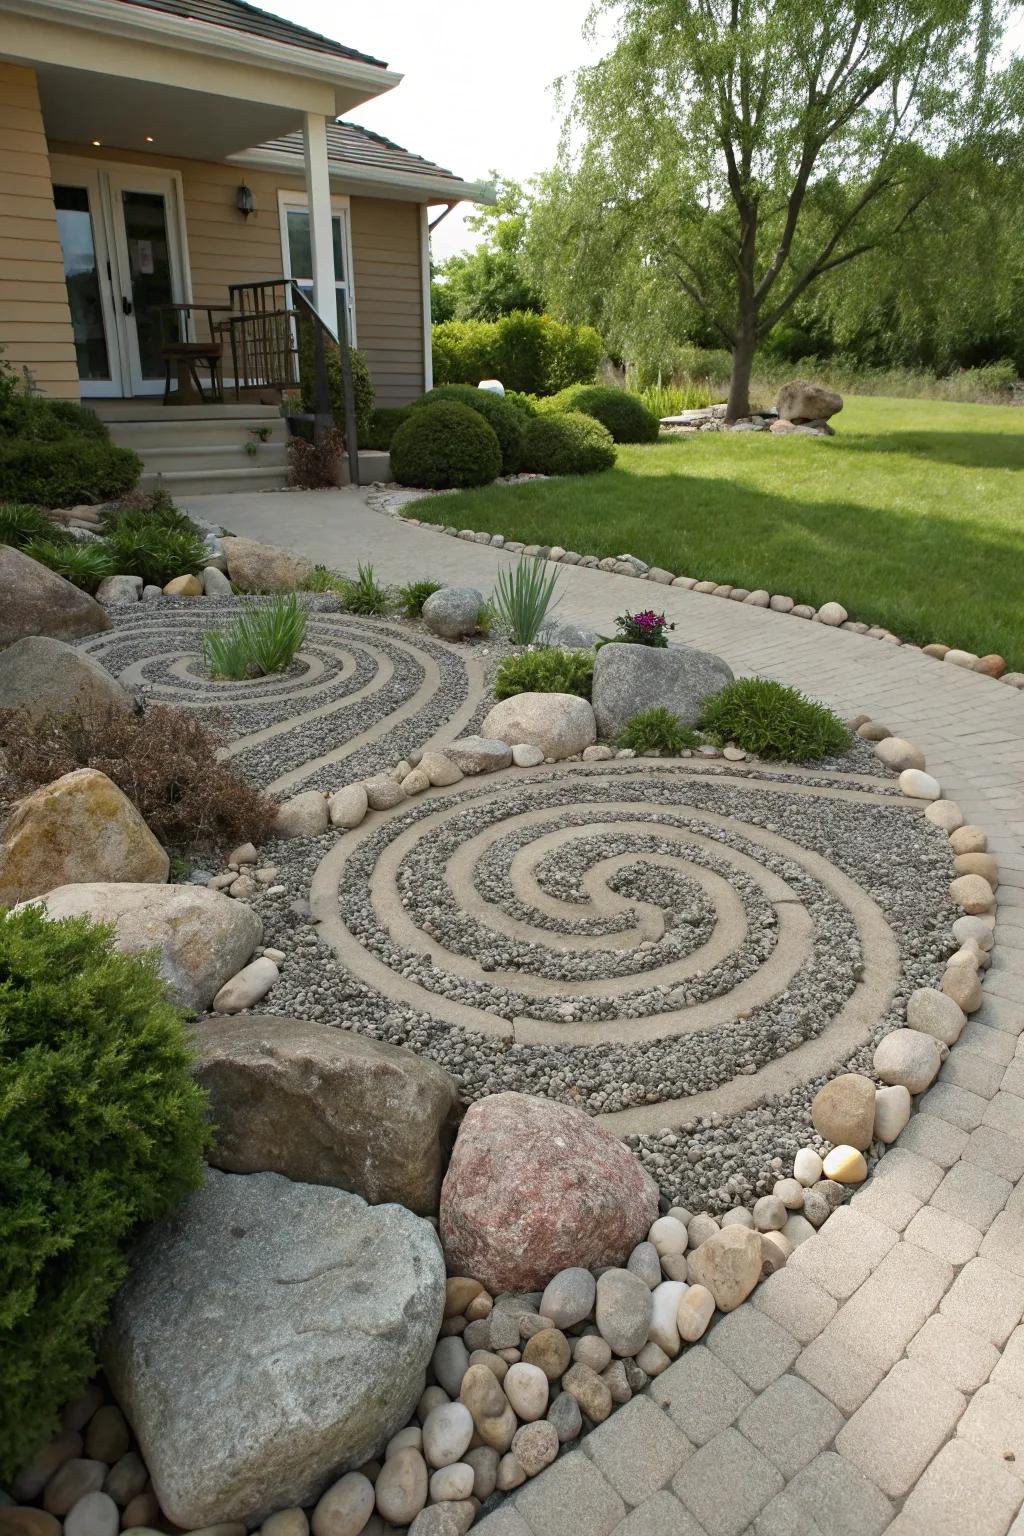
x=934 y=1013
x=263 y=567
x=304 y=815
x=898 y=754
x=79 y=828
x=269 y=1337
x=534 y=1187
x=38 y=602
x=203 y=938
x=215 y=583
x=631 y=678
x=569 y=636
x=187 y=586
x=803 y=400
x=452 y=612
x=557 y=724
x=479 y=754
x=42 y=676
x=843 y=1111
x=325 y=1106
x=910 y=1057
x=119 y=591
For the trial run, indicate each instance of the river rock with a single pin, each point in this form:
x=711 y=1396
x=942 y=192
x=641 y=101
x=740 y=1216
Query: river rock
x=668 y=1236
x=802 y=400
x=484 y=1461
x=119 y=591
x=935 y=1014
x=41 y=676
x=807 y=1166
x=558 y=724
x=305 y=815
x=843 y=1111
x=451 y=1362
x=95 y=1514
x=479 y=754
x=624 y=1310
x=591 y=1393
x=729 y=1265
x=569 y=1297
x=72 y=1481
x=452 y=1481
x=256 y=567
x=401 y=1486
x=917 y=785
x=892 y=1111
x=534 y=1186
x=549 y=1349
x=347 y=807
x=269 y=1336
x=39 y=602
x=973 y=893
x=645 y=1262
x=452 y=613
x=202 y=937
x=526 y=1387
x=447 y=1431
x=326 y=1106
x=978 y=862
x=535 y=1446
x=247 y=987
x=664 y=1329
x=898 y=754
x=79 y=828
x=493 y=1417
x=564 y=1413
x=342 y=1511
x=846 y=1165
x=909 y=1057
x=694 y=1313
x=631 y=678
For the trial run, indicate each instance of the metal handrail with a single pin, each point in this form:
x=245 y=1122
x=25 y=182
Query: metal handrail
x=266 y=351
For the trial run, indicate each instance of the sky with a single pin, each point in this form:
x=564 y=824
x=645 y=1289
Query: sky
x=476 y=95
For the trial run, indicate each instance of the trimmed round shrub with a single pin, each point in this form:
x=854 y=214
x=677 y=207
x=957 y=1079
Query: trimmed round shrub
x=626 y=417
x=770 y=720
x=503 y=418
x=525 y=404
x=65 y=472
x=101 y=1128
x=443 y=446
x=384 y=423
x=567 y=443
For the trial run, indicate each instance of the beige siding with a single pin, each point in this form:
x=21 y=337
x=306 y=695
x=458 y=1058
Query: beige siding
x=389 y=295
x=35 y=322
x=223 y=248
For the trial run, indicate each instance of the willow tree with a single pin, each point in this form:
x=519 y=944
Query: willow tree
x=735 y=153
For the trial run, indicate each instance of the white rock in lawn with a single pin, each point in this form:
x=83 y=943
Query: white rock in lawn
x=917 y=785
x=892 y=1111
x=246 y=988
x=957 y=658
x=348 y=806
x=525 y=755
x=664 y=1328
x=807 y=1166
x=935 y=1013
x=304 y=815
x=832 y=614
x=560 y=724
x=906 y=1056
x=447 y=1432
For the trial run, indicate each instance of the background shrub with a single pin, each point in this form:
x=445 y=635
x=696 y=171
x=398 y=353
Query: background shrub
x=567 y=443
x=101 y=1128
x=65 y=472
x=33 y=418
x=626 y=417
x=146 y=509
x=657 y=730
x=525 y=404
x=154 y=552
x=505 y=421
x=445 y=445
x=550 y=670
x=384 y=423
x=530 y=353
x=165 y=761
x=773 y=721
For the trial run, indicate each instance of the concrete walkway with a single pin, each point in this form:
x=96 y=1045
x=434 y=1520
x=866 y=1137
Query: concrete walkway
x=877 y=1382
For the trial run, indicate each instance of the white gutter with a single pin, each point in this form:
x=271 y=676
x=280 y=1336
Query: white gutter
x=205 y=37
x=446 y=188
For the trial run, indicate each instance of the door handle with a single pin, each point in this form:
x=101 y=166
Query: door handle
x=126 y=305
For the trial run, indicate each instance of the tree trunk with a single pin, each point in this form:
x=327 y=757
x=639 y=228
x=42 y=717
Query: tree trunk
x=738 y=404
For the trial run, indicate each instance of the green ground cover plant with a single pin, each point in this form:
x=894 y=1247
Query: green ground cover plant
x=911 y=516
x=773 y=721
x=101 y=1128
x=657 y=730
x=258 y=643
x=154 y=551
x=549 y=670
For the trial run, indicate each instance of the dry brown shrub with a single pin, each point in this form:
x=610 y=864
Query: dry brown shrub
x=163 y=759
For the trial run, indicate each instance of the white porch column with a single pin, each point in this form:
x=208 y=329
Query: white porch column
x=318 y=191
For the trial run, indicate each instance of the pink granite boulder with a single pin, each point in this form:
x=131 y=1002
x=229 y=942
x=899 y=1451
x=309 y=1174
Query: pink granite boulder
x=534 y=1187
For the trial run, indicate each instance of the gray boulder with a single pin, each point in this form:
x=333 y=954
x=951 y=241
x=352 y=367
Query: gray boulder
x=569 y=636
x=203 y=938
x=38 y=602
x=631 y=678
x=119 y=591
x=802 y=400
x=270 y=1336
x=326 y=1106
x=43 y=676
x=452 y=612
x=257 y=567
x=479 y=754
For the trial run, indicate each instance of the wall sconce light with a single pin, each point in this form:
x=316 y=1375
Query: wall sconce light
x=245 y=201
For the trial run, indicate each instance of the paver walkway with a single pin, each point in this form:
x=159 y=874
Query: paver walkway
x=877 y=1382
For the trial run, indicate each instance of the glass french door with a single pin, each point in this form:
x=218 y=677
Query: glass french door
x=120 y=232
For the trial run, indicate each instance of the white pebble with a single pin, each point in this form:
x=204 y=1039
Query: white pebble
x=807 y=1167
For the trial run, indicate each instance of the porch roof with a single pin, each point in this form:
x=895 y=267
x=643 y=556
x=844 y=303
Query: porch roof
x=242 y=17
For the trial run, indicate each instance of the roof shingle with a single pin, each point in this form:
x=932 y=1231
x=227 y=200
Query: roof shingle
x=348 y=143
x=239 y=16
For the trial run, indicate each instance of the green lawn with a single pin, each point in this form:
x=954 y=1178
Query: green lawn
x=912 y=516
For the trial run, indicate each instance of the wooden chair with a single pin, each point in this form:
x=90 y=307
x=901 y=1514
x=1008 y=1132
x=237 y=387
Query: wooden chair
x=190 y=356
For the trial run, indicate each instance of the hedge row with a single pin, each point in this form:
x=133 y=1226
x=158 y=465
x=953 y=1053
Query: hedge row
x=527 y=352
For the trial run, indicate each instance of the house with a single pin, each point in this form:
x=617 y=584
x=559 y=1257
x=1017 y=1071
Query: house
x=196 y=153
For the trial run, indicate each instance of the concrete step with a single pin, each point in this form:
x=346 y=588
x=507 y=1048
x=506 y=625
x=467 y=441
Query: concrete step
x=237 y=431
x=216 y=482
x=149 y=410
x=197 y=458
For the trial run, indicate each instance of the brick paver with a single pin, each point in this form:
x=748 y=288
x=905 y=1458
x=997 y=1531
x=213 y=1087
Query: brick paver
x=920 y=1388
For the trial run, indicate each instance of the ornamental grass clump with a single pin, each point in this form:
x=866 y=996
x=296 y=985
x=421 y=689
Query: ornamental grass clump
x=646 y=628
x=154 y=550
x=414 y=594
x=657 y=730
x=21 y=525
x=84 y=565
x=364 y=594
x=770 y=720
x=101 y=1128
x=259 y=643
x=523 y=596
x=550 y=670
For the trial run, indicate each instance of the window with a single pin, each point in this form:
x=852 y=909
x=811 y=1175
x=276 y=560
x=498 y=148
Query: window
x=81 y=273
x=298 y=253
